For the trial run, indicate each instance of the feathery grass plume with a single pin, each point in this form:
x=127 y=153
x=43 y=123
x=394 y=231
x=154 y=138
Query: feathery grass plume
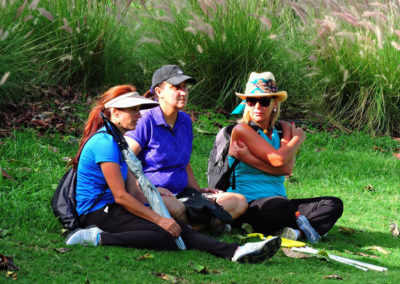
x=208 y=7
x=362 y=38
x=378 y=34
x=325 y=27
x=397 y=32
x=20 y=9
x=66 y=26
x=28 y=33
x=346 y=35
x=345 y=75
x=267 y=23
x=332 y=6
x=28 y=18
x=349 y=18
x=164 y=7
x=273 y=37
x=4 y=35
x=199 y=25
x=366 y=25
x=149 y=40
x=380 y=5
x=300 y=12
x=375 y=14
x=199 y=48
x=5 y=77
x=396 y=45
x=67 y=57
x=165 y=19
x=191 y=30
x=46 y=14
x=34 y=4
x=222 y=4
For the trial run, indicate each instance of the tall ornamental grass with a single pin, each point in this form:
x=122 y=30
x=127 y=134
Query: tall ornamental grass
x=217 y=42
x=337 y=58
x=84 y=44
x=357 y=67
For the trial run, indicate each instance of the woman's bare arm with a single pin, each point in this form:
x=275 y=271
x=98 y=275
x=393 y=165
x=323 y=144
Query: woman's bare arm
x=263 y=150
x=240 y=151
x=133 y=145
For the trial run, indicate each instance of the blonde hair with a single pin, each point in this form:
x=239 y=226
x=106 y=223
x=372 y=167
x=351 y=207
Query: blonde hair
x=274 y=115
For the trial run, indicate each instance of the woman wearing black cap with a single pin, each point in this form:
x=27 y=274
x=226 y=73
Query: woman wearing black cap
x=163 y=142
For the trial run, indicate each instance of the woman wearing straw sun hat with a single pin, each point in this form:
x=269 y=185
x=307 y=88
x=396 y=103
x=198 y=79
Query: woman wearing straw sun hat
x=266 y=159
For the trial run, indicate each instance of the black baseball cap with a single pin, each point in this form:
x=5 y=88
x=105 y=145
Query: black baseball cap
x=172 y=74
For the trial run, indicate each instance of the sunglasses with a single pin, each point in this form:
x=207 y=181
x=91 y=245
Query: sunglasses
x=264 y=101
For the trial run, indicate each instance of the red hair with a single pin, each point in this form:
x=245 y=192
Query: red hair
x=95 y=122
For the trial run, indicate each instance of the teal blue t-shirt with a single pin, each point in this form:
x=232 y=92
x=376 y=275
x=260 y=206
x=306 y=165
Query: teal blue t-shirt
x=255 y=184
x=90 y=179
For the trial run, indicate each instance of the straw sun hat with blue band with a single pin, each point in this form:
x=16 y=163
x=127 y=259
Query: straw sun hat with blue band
x=260 y=85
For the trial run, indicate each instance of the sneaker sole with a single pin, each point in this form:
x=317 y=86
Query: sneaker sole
x=268 y=251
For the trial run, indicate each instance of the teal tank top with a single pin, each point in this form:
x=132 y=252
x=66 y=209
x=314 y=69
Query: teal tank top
x=255 y=184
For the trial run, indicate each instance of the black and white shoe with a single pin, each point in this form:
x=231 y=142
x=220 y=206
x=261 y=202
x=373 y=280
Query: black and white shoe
x=257 y=252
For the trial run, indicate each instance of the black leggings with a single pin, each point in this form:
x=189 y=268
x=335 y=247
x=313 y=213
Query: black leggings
x=267 y=215
x=122 y=228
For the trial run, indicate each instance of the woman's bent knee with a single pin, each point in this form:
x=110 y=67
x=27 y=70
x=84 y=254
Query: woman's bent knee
x=234 y=203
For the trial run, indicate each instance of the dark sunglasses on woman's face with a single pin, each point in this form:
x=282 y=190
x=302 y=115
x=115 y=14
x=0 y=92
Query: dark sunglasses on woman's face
x=264 y=101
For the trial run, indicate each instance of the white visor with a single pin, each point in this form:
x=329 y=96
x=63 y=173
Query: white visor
x=130 y=100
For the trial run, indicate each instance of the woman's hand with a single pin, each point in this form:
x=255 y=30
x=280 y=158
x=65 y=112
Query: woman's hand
x=298 y=132
x=239 y=150
x=287 y=132
x=210 y=190
x=170 y=226
x=164 y=191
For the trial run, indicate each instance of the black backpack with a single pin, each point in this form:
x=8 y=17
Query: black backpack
x=218 y=171
x=64 y=202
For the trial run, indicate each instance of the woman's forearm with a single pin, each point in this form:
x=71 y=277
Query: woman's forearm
x=116 y=183
x=265 y=167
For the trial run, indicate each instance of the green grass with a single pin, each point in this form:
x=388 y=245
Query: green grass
x=328 y=164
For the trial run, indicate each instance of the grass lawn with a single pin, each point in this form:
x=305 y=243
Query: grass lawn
x=357 y=168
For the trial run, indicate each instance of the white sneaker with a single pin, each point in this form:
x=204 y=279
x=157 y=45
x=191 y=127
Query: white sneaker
x=89 y=235
x=257 y=252
x=289 y=233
